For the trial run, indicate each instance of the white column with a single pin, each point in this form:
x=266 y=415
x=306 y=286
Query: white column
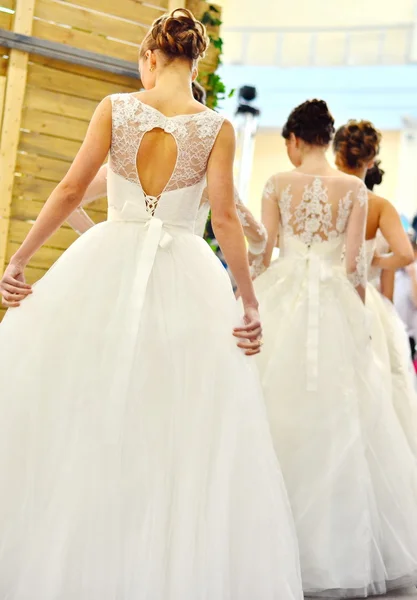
x=413 y=40
x=406 y=197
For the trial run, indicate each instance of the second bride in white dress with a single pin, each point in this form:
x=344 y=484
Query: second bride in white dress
x=350 y=474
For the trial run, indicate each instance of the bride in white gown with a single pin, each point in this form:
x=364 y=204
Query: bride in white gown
x=135 y=457
x=388 y=248
x=350 y=475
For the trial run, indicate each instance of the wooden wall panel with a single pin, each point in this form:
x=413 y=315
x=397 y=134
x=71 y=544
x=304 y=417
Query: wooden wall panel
x=84 y=40
x=131 y=10
x=9 y=4
x=56 y=80
x=89 y=21
x=6 y=20
x=45 y=145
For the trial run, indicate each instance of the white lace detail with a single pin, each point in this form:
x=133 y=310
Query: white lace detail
x=359 y=276
x=311 y=221
x=194 y=134
x=257 y=266
x=345 y=206
x=269 y=189
x=363 y=195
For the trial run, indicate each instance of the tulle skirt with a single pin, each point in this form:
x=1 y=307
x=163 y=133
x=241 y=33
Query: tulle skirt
x=136 y=461
x=349 y=471
x=392 y=351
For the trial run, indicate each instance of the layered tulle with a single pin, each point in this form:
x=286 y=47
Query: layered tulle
x=392 y=351
x=135 y=457
x=349 y=471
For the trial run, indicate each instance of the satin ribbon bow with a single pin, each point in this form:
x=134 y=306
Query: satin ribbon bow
x=155 y=237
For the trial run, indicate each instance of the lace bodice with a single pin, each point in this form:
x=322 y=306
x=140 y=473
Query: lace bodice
x=194 y=135
x=317 y=209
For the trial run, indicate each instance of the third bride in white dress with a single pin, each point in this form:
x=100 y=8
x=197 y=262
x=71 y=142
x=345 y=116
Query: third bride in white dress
x=350 y=474
x=388 y=248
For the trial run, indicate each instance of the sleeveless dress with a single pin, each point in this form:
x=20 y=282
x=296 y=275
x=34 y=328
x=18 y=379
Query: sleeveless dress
x=136 y=461
x=391 y=347
x=350 y=474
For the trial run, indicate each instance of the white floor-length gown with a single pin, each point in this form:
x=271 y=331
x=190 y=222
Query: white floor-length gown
x=349 y=472
x=392 y=348
x=135 y=457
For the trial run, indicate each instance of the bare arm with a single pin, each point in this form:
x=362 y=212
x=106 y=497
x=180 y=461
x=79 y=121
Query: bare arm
x=63 y=200
x=401 y=250
x=387 y=282
x=226 y=224
x=79 y=219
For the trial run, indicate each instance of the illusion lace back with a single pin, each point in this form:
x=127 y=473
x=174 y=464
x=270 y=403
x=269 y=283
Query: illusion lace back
x=316 y=209
x=194 y=135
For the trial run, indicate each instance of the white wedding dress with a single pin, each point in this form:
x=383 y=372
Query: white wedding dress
x=135 y=457
x=349 y=472
x=392 y=348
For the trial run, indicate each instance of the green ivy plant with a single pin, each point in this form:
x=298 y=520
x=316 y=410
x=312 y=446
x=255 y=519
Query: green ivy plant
x=216 y=92
x=215 y=87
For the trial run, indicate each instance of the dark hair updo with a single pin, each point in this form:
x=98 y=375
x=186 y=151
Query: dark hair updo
x=178 y=35
x=374 y=176
x=311 y=122
x=199 y=93
x=356 y=144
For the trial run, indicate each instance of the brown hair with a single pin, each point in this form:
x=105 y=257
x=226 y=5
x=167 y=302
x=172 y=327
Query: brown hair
x=311 y=122
x=374 y=175
x=178 y=35
x=356 y=143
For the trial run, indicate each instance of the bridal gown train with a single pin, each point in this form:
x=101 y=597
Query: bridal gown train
x=392 y=348
x=136 y=461
x=350 y=475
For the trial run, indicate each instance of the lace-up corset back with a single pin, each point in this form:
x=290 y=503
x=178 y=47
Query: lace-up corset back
x=194 y=135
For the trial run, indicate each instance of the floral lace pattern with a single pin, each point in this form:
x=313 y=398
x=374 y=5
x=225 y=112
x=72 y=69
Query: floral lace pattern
x=310 y=211
x=359 y=276
x=345 y=206
x=194 y=134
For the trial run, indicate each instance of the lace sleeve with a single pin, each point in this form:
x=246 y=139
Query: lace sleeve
x=270 y=216
x=356 y=265
x=254 y=231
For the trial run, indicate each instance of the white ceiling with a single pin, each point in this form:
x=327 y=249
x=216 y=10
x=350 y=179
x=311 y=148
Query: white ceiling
x=317 y=32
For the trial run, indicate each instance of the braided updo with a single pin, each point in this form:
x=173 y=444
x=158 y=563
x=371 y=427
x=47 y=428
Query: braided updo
x=178 y=35
x=356 y=144
x=311 y=122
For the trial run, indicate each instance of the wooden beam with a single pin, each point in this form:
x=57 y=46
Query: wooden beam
x=13 y=104
x=70 y=54
x=3 y=80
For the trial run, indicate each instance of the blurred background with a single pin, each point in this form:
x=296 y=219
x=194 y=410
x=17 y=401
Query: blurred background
x=361 y=57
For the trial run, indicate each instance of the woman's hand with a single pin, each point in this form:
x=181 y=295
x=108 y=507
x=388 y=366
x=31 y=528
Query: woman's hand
x=250 y=334
x=13 y=287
